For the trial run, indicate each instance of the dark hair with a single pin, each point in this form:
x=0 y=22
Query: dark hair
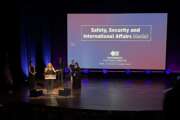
x=76 y=63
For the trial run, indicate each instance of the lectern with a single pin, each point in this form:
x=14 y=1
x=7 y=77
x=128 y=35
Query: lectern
x=50 y=80
x=50 y=77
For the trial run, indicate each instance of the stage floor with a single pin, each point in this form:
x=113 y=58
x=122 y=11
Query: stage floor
x=107 y=94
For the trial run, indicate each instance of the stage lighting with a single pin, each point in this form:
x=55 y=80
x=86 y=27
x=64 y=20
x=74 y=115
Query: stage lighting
x=85 y=71
x=66 y=70
x=128 y=72
x=46 y=49
x=24 y=64
x=148 y=72
x=104 y=71
x=168 y=71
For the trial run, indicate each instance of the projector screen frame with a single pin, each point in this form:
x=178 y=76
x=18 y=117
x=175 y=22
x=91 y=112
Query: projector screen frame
x=120 y=69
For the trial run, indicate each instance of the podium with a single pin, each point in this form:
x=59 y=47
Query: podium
x=50 y=77
x=65 y=84
x=50 y=82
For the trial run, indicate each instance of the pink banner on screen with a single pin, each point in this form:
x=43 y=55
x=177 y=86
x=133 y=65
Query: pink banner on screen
x=118 y=41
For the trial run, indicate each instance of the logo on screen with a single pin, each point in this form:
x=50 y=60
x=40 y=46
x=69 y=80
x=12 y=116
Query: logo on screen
x=114 y=53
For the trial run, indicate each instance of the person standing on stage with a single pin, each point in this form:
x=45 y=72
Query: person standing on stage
x=49 y=70
x=76 y=76
x=71 y=67
x=32 y=76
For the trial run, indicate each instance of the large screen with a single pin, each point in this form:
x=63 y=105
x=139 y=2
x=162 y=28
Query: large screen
x=118 y=41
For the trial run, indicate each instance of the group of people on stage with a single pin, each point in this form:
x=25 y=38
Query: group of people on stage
x=74 y=69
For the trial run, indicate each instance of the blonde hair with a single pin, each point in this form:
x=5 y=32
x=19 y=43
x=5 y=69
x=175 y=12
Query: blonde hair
x=49 y=65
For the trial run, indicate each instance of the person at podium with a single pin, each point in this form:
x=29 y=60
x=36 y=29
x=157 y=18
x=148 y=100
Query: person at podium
x=49 y=70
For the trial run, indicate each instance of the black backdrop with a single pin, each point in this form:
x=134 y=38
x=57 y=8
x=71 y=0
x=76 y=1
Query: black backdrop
x=41 y=17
